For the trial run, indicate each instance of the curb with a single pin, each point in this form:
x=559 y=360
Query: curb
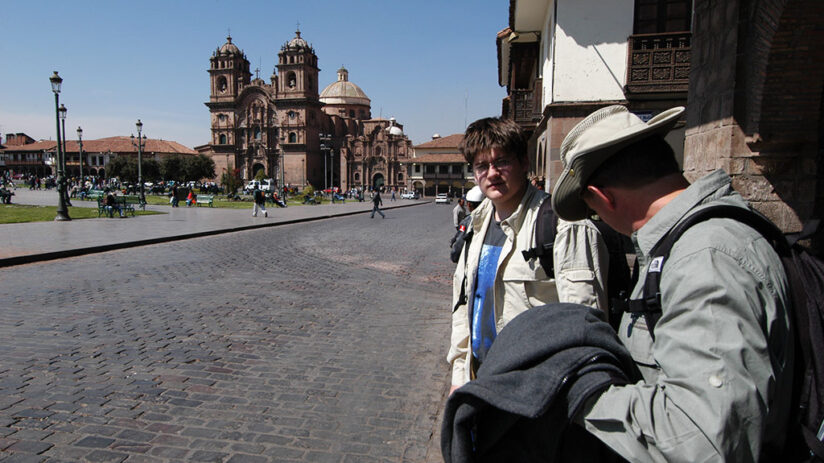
x=54 y=255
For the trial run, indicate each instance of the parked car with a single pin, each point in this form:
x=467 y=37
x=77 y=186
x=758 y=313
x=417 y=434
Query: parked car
x=410 y=195
x=250 y=186
x=442 y=198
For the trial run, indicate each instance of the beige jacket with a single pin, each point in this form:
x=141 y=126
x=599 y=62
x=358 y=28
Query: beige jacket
x=579 y=256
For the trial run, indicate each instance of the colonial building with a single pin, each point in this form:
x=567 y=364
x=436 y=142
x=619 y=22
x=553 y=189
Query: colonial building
x=38 y=158
x=439 y=167
x=294 y=133
x=750 y=72
x=560 y=60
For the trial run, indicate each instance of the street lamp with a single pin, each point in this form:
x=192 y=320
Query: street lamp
x=80 y=144
x=324 y=147
x=62 y=210
x=141 y=142
x=63 y=112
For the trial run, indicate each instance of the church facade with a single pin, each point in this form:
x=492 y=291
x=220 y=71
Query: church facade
x=294 y=133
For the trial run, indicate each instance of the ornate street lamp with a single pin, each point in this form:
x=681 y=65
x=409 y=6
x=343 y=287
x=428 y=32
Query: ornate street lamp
x=80 y=144
x=62 y=210
x=63 y=113
x=141 y=142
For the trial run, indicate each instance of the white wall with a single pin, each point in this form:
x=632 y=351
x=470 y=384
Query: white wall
x=588 y=45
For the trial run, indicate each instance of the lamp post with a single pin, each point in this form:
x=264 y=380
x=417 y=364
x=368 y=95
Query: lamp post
x=324 y=147
x=63 y=113
x=62 y=210
x=141 y=142
x=80 y=144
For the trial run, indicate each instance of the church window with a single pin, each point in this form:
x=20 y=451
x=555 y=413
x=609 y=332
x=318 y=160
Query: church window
x=377 y=151
x=400 y=177
x=221 y=117
x=292 y=80
x=222 y=139
x=357 y=177
x=292 y=114
x=351 y=113
x=293 y=137
x=257 y=133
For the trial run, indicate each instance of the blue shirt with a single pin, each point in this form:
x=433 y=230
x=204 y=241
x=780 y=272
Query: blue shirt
x=482 y=315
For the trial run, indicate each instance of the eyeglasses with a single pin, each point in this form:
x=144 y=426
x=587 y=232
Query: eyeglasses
x=499 y=164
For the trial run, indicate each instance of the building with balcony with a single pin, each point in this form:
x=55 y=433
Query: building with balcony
x=562 y=59
x=438 y=167
x=750 y=72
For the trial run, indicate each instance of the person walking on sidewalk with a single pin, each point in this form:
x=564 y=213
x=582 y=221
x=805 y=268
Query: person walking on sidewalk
x=376 y=203
x=260 y=203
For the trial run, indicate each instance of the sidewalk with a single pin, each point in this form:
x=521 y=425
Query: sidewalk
x=38 y=241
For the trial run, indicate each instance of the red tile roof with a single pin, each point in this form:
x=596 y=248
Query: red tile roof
x=450 y=141
x=113 y=144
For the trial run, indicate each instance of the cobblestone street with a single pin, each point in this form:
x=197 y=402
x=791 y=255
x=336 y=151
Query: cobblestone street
x=317 y=342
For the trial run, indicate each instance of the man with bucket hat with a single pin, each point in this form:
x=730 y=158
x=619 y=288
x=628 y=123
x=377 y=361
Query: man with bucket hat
x=717 y=366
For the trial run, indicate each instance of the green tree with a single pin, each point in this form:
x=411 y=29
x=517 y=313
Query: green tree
x=231 y=181
x=151 y=170
x=124 y=168
x=171 y=167
x=260 y=175
x=198 y=167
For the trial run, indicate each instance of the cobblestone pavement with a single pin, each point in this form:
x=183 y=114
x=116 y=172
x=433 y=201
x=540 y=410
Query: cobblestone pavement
x=319 y=342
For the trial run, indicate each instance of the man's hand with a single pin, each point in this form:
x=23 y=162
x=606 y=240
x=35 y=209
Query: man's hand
x=452 y=389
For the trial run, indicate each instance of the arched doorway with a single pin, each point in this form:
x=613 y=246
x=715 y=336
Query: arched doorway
x=378 y=180
x=257 y=167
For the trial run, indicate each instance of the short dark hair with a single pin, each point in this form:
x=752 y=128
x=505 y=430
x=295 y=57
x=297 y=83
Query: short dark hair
x=493 y=132
x=638 y=164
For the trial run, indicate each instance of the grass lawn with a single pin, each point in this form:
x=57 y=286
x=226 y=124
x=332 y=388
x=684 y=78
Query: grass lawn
x=19 y=213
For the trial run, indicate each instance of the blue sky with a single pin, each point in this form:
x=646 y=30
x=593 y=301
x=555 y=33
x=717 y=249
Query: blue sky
x=430 y=64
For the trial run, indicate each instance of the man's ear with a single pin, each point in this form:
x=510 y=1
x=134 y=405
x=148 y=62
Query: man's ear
x=602 y=197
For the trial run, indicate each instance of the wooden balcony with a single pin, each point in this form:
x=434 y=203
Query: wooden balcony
x=658 y=63
x=524 y=106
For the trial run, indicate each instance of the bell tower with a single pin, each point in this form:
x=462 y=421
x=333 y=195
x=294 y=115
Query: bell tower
x=228 y=74
x=299 y=112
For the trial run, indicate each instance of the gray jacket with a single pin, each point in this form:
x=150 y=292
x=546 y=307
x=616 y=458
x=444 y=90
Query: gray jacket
x=717 y=378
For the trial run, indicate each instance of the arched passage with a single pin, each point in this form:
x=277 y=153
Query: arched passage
x=378 y=180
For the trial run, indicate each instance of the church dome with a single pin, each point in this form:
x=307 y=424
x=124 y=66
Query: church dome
x=229 y=48
x=393 y=129
x=297 y=42
x=344 y=92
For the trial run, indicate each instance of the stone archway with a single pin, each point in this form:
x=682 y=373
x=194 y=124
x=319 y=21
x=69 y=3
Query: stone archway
x=378 y=180
x=257 y=167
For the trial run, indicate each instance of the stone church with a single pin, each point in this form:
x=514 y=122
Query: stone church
x=294 y=133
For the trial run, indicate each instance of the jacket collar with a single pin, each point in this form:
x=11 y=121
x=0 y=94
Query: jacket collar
x=486 y=210
x=709 y=188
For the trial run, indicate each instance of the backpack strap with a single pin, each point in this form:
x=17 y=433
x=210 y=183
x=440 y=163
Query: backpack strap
x=545 y=226
x=650 y=304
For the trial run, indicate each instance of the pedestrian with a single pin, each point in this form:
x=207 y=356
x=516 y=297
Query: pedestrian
x=175 y=199
x=473 y=199
x=493 y=282
x=190 y=199
x=259 y=202
x=393 y=194
x=716 y=365
x=458 y=213
x=376 y=203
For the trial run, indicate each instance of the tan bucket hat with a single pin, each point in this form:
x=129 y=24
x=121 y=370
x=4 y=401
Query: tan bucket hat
x=591 y=142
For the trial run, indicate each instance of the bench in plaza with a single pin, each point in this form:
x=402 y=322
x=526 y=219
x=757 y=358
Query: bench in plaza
x=205 y=200
x=135 y=200
x=122 y=204
x=93 y=195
